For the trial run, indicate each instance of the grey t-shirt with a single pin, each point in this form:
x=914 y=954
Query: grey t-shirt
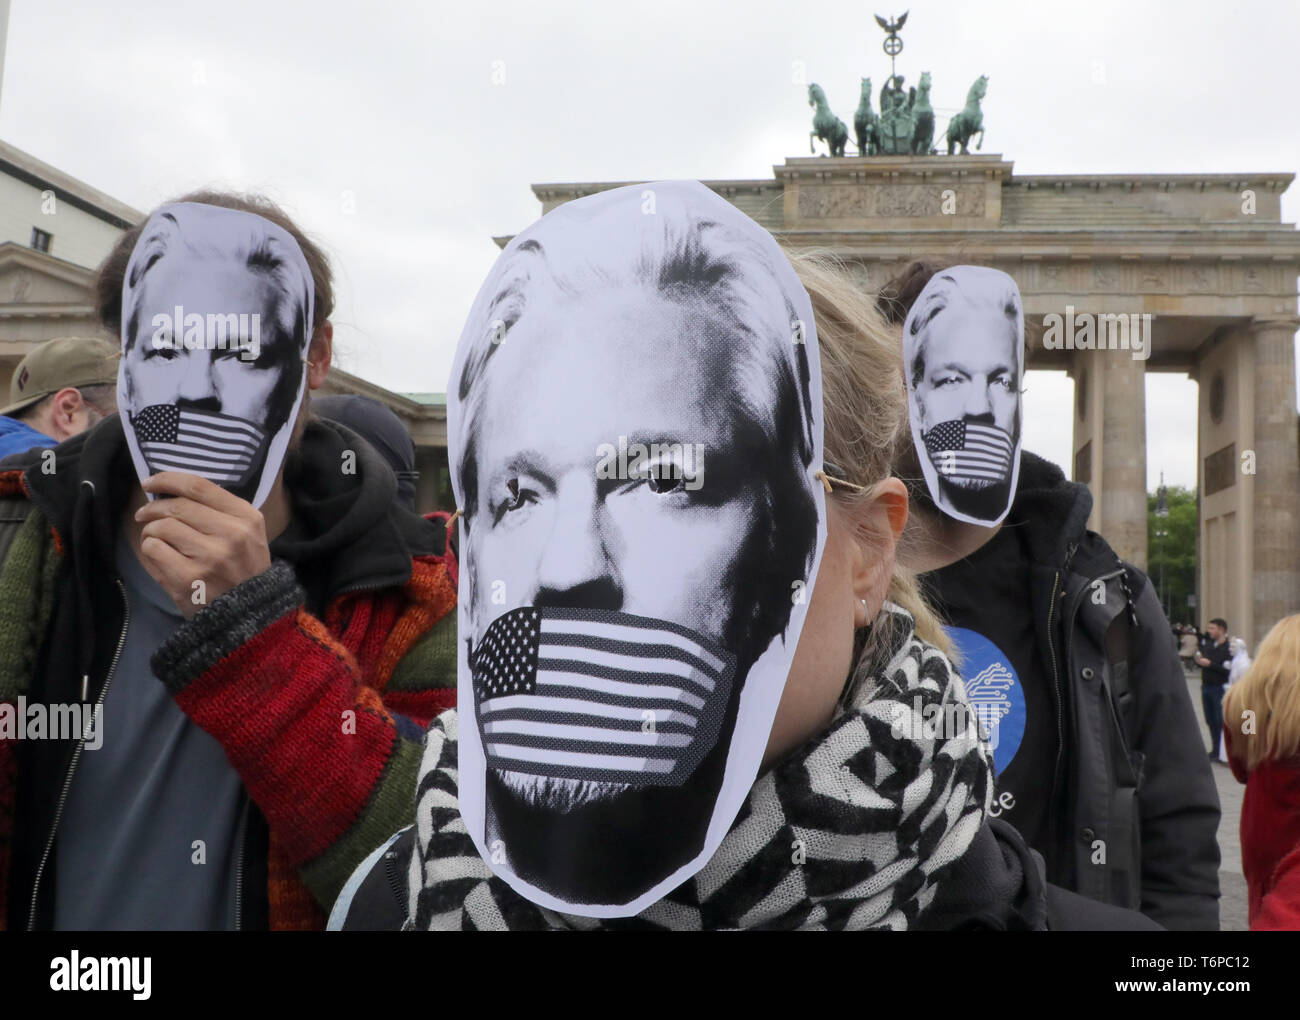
x=128 y=842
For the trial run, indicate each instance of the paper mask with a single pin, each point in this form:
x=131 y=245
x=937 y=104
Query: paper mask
x=634 y=430
x=963 y=356
x=217 y=309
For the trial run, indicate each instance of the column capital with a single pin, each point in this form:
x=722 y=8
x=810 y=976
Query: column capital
x=1283 y=320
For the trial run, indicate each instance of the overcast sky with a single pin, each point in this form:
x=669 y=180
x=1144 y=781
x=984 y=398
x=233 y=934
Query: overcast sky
x=379 y=125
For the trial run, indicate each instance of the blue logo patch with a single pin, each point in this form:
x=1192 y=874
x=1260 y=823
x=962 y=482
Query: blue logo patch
x=995 y=693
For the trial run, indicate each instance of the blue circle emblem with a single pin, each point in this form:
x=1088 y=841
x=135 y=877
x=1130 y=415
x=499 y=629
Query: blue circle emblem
x=995 y=692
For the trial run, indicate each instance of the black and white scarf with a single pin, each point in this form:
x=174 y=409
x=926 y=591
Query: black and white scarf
x=849 y=832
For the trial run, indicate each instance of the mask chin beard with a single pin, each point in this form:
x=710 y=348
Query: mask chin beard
x=984 y=503
x=562 y=795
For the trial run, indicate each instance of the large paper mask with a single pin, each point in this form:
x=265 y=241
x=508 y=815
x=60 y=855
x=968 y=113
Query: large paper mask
x=634 y=431
x=217 y=309
x=963 y=355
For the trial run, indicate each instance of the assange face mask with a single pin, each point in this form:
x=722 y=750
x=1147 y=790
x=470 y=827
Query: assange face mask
x=634 y=432
x=217 y=309
x=963 y=357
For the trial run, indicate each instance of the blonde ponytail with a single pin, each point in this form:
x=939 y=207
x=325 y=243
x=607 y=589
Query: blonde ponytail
x=865 y=408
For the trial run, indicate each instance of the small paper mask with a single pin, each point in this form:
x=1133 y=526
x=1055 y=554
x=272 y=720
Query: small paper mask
x=634 y=430
x=217 y=309
x=963 y=356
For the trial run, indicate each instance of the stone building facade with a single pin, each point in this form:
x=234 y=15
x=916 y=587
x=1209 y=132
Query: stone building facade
x=55 y=230
x=1203 y=261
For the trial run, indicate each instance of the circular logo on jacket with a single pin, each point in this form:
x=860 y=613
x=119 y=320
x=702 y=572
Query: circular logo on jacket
x=995 y=693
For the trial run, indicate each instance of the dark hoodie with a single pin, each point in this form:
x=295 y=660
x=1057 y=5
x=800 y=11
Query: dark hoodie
x=1134 y=810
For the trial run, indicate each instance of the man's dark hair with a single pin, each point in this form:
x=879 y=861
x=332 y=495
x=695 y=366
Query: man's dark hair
x=1220 y=621
x=896 y=297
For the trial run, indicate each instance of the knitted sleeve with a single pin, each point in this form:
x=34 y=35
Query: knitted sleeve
x=318 y=743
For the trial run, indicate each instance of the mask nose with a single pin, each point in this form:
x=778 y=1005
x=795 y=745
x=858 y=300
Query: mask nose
x=978 y=402
x=197 y=383
x=576 y=569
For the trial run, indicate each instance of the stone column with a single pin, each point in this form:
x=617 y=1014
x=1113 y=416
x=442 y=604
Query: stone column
x=1122 y=520
x=1275 y=584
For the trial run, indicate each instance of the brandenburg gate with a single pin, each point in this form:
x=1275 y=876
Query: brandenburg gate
x=1203 y=261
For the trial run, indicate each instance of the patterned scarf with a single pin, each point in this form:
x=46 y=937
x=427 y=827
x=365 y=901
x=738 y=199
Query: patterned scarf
x=849 y=832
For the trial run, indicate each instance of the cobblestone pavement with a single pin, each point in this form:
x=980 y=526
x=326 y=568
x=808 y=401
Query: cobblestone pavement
x=1232 y=884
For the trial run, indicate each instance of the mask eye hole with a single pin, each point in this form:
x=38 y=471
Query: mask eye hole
x=663 y=479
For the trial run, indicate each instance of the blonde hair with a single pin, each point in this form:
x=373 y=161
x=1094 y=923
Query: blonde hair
x=864 y=411
x=1271 y=690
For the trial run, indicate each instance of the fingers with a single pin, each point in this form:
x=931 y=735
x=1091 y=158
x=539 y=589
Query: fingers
x=200 y=490
x=189 y=542
x=162 y=561
x=199 y=516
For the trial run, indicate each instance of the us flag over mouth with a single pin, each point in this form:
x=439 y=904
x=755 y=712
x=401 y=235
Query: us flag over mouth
x=970 y=451
x=600 y=696
x=215 y=446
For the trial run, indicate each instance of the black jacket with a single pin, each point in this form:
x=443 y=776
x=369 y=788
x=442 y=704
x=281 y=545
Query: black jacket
x=1135 y=811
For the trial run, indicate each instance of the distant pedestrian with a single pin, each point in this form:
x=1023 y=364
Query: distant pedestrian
x=59 y=390
x=1263 y=738
x=1187 y=645
x=1213 y=658
x=1237 y=668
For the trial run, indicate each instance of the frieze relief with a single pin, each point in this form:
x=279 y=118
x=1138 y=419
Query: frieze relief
x=849 y=201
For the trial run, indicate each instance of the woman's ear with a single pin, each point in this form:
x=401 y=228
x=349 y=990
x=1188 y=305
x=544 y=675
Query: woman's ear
x=882 y=518
x=892 y=493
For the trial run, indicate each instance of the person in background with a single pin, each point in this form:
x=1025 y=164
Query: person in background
x=59 y=390
x=1213 y=659
x=1263 y=740
x=996 y=884
x=1096 y=740
x=1236 y=670
x=1187 y=645
x=379 y=427
x=276 y=720
x=1240 y=661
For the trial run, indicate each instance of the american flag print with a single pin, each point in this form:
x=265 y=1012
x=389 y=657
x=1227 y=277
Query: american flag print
x=598 y=695
x=967 y=451
x=215 y=446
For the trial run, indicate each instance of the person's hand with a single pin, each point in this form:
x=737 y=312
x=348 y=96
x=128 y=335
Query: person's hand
x=200 y=540
x=1201 y=660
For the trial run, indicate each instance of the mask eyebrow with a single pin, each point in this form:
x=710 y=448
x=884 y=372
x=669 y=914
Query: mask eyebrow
x=531 y=462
